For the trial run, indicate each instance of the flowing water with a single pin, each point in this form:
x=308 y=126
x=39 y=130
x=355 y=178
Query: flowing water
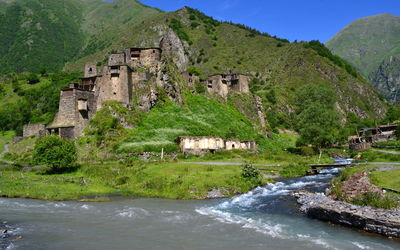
x=265 y=218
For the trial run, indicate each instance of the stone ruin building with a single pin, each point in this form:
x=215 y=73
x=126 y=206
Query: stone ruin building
x=224 y=85
x=204 y=144
x=116 y=82
x=368 y=136
x=134 y=74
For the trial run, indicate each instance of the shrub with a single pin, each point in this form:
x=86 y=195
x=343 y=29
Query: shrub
x=307 y=151
x=33 y=78
x=194 y=71
x=121 y=180
x=249 y=171
x=55 y=152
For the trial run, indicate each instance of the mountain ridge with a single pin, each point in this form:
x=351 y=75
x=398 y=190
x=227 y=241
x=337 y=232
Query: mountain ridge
x=369 y=42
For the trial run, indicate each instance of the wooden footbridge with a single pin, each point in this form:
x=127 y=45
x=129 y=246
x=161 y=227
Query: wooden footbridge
x=314 y=168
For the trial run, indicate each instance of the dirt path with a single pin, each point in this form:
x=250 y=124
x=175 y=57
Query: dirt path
x=5 y=150
x=221 y=163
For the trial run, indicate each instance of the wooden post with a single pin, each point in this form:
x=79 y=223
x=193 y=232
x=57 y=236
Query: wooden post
x=162 y=153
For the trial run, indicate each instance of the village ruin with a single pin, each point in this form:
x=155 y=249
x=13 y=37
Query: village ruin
x=210 y=144
x=368 y=136
x=124 y=76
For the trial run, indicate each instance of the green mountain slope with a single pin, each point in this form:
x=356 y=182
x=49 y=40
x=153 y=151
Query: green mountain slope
x=45 y=34
x=367 y=43
x=197 y=43
x=274 y=64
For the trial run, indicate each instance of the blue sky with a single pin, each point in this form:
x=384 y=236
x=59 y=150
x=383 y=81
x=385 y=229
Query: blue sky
x=290 y=19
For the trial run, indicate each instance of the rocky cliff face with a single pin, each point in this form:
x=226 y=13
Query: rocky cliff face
x=386 y=79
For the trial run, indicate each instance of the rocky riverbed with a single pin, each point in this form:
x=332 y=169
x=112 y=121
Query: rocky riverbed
x=7 y=235
x=320 y=206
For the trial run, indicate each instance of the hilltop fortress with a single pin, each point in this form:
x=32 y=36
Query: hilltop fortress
x=131 y=77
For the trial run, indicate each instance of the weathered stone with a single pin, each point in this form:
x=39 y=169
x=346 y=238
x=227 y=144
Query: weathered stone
x=225 y=84
x=201 y=144
x=33 y=129
x=374 y=220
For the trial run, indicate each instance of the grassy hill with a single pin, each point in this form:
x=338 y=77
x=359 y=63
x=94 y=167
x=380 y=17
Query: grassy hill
x=40 y=35
x=276 y=67
x=367 y=43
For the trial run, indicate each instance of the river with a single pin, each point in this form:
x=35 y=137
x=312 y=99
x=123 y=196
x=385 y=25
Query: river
x=265 y=218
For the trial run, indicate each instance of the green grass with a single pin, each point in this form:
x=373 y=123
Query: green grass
x=200 y=116
x=373 y=156
x=162 y=180
x=395 y=144
x=388 y=179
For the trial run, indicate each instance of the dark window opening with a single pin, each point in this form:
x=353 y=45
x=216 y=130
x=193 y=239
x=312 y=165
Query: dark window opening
x=84 y=114
x=233 y=145
x=90 y=70
x=115 y=93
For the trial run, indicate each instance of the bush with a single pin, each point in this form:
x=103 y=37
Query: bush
x=33 y=78
x=249 y=171
x=307 y=151
x=55 y=152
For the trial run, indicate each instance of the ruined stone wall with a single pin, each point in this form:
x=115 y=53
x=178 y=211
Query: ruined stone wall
x=33 y=129
x=217 y=85
x=66 y=110
x=362 y=146
x=190 y=79
x=240 y=84
x=116 y=59
x=90 y=70
x=150 y=57
x=233 y=144
x=193 y=144
x=114 y=85
x=68 y=133
x=84 y=113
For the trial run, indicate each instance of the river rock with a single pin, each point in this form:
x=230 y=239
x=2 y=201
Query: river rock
x=374 y=220
x=216 y=193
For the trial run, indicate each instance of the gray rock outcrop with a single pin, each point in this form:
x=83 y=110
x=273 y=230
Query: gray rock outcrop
x=374 y=220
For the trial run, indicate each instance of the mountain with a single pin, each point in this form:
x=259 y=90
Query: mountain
x=40 y=35
x=73 y=32
x=369 y=42
x=386 y=78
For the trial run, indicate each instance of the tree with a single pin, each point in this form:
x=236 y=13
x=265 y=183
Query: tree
x=55 y=152
x=392 y=115
x=317 y=119
x=397 y=133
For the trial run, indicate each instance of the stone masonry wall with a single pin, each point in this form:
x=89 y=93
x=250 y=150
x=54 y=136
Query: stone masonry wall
x=66 y=110
x=33 y=129
x=114 y=86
